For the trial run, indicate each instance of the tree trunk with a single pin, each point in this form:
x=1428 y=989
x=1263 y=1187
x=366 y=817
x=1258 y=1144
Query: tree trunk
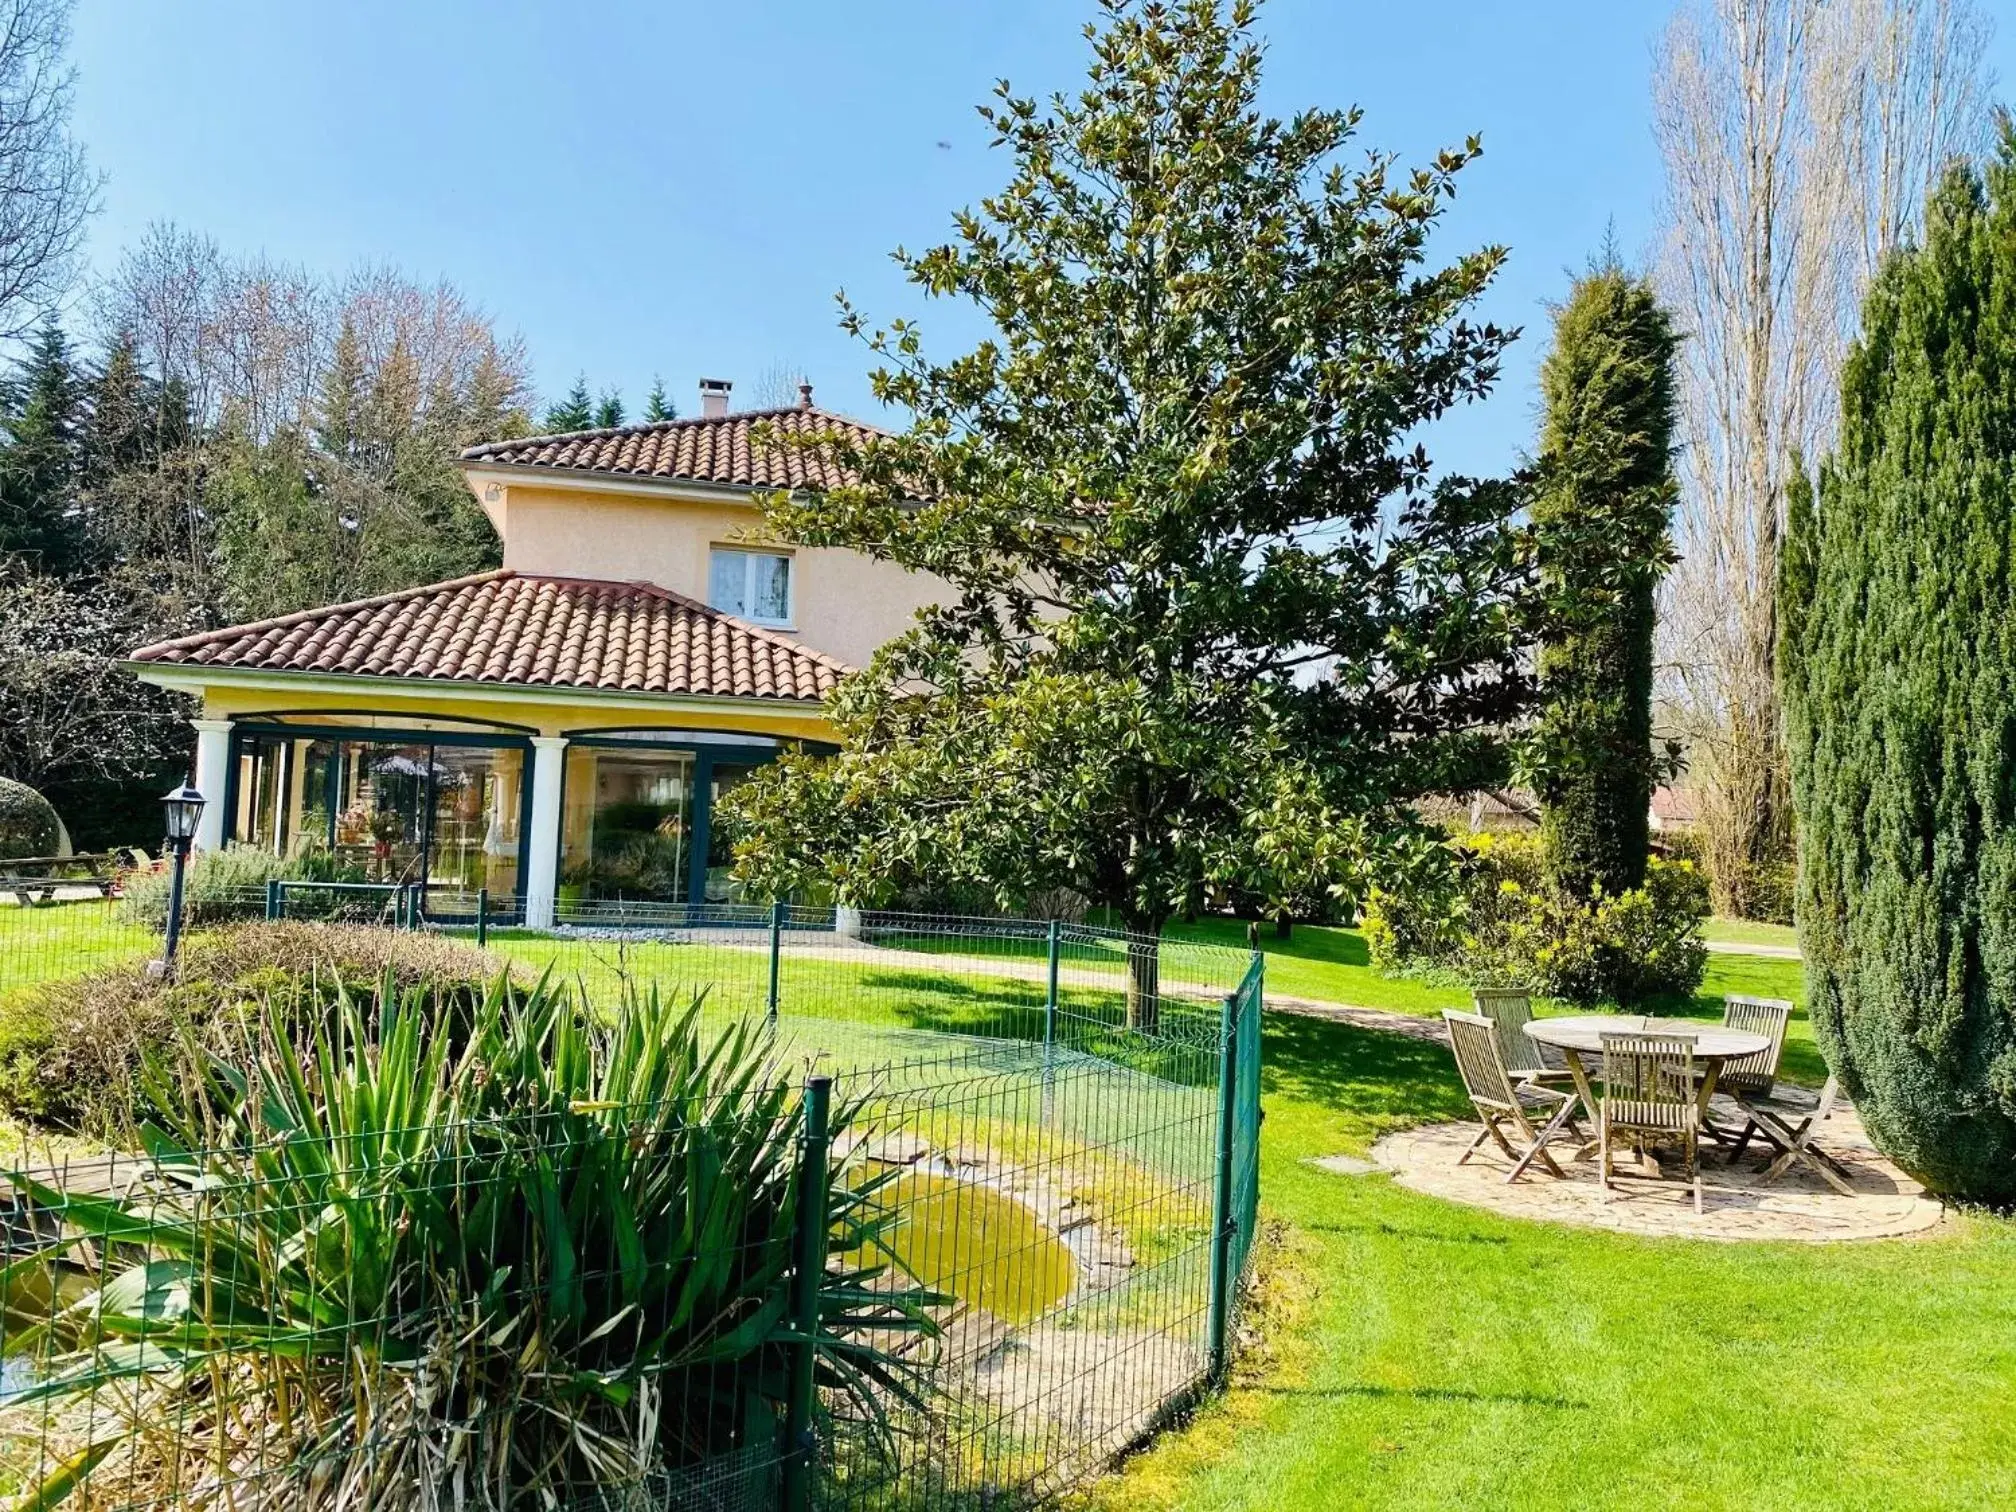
x=1284 y=928
x=1144 y=970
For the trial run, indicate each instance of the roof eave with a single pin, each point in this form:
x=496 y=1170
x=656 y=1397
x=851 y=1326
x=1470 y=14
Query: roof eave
x=595 y=480
x=193 y=677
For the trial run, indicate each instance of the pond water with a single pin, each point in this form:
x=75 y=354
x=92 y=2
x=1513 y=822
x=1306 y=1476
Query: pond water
x=978 y=1244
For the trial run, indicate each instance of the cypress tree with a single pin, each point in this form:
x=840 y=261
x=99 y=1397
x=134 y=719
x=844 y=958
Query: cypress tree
x=1900 y=623
x=658 y=405
x=1601 y=513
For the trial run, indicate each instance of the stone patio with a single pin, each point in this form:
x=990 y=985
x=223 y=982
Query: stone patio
x=1798 y=1207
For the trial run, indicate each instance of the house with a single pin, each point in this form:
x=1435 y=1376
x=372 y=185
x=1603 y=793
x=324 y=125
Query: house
x=558 y=730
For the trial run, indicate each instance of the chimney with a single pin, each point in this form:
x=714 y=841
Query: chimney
x=804 y=396
x=714 y=397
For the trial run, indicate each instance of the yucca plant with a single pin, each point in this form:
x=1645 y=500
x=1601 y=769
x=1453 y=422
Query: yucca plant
x=501 y=1264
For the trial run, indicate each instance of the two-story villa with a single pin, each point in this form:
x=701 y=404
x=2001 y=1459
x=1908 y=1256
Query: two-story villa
x=559 y=729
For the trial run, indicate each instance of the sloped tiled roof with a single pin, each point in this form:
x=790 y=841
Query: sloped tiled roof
x=716 y=449
x=539 y=632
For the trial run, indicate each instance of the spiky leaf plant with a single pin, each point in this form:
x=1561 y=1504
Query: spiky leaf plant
x=504 y=1264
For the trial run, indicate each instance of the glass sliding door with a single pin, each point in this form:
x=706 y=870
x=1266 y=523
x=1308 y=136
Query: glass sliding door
x=721 y=884
x=447 y=816
x=477 y=796
x=626 y=829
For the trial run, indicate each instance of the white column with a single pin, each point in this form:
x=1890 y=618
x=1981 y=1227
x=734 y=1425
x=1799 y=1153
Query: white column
x=542 y=860
x=213 y=765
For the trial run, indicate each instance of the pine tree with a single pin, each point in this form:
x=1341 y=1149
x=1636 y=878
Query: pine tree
x=575 y=412
x=42 y=411
x=1601 y=514
x=1899 y=617
x=658 y=405
x=609 y=410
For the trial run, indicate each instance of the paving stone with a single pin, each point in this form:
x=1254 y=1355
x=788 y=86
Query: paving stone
x=1799 y=1206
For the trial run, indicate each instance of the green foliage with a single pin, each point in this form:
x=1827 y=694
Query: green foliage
x=1497 y=918
x=217 y=887
x=1899 y=680
x=609 y=410
x=1180 y=475
x=28 y=822
x=42 y=415
x=658 y=405
x=70 y=1049
x=1600 y=515
x=573 y=413
x=580 y=1220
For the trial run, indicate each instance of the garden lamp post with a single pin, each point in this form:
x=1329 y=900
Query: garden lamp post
x=185 y=810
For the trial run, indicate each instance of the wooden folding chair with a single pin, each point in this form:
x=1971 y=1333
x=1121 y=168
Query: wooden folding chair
x=1649 y=1098
x=1750 y=1078
x=1794 y=1142
x=1510 y=1011
x=1502 y=1102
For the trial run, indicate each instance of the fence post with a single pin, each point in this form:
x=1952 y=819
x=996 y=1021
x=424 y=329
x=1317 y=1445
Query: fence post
x=1050 y=996
x=776 y=957
x=274 y=906
x=808 y=1271
x=482 y=917
x=1223 y=1225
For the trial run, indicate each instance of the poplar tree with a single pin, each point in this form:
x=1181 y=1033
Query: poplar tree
x=1899 y=628
x=1601 y=516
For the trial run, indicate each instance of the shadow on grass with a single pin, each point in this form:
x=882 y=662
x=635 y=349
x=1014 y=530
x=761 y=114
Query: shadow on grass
x=1387 y=1079
x=1394 y=1231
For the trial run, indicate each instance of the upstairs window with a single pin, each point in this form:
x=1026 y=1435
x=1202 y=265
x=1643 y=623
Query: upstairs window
x=753 y=585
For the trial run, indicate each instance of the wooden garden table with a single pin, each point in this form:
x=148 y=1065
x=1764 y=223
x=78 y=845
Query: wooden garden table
x=1578 y=1034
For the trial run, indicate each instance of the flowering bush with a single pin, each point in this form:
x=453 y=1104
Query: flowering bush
x=1492 y=916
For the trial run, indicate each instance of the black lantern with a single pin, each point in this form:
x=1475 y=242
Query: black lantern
x=185 y=811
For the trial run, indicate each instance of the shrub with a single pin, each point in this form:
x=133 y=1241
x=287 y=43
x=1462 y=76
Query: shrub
x=70 y=1049
x=28 y=822
x=1494 y=917
x=217 y=887
x=1897 y=660
x=544 y=1267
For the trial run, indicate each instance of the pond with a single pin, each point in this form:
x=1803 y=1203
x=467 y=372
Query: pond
x=978 y=1244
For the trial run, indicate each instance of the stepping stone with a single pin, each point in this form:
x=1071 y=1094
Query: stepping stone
x=1346 y=1165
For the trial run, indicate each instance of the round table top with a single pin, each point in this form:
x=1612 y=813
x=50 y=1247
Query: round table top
x=1584 y=1032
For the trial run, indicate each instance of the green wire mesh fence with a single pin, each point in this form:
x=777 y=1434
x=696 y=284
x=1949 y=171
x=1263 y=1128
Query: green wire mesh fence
x=926 y=1212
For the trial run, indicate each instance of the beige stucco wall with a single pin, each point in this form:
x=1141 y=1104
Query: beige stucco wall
x=844 y=604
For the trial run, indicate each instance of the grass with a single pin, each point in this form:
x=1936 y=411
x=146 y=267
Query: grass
x=63 y=939
x=1424 y=1355
x=1434 y=1356
x=1746 y=932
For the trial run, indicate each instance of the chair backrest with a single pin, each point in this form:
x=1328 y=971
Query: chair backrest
x=1648 y=1081
x=1755 y=1074
x=1510 y=1011
x=1475 y=1043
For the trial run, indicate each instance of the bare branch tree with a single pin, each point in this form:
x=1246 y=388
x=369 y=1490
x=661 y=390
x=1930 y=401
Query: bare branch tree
x=1797 y=136
x=776 y=387
x=47 y=189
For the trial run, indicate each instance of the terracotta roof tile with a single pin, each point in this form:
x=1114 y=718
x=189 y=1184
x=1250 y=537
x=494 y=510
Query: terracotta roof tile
x=717 y=449
x=503 y=627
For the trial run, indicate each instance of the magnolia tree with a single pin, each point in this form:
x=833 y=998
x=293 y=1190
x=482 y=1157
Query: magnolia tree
x=1210 y=617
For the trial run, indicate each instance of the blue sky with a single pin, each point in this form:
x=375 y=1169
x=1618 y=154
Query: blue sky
x=678 y=187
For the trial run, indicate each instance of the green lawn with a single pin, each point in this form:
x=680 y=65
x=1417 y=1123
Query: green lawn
x=1424 y=1355
x=63 y=939
x=1744 y=932
x=1416 y=1354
